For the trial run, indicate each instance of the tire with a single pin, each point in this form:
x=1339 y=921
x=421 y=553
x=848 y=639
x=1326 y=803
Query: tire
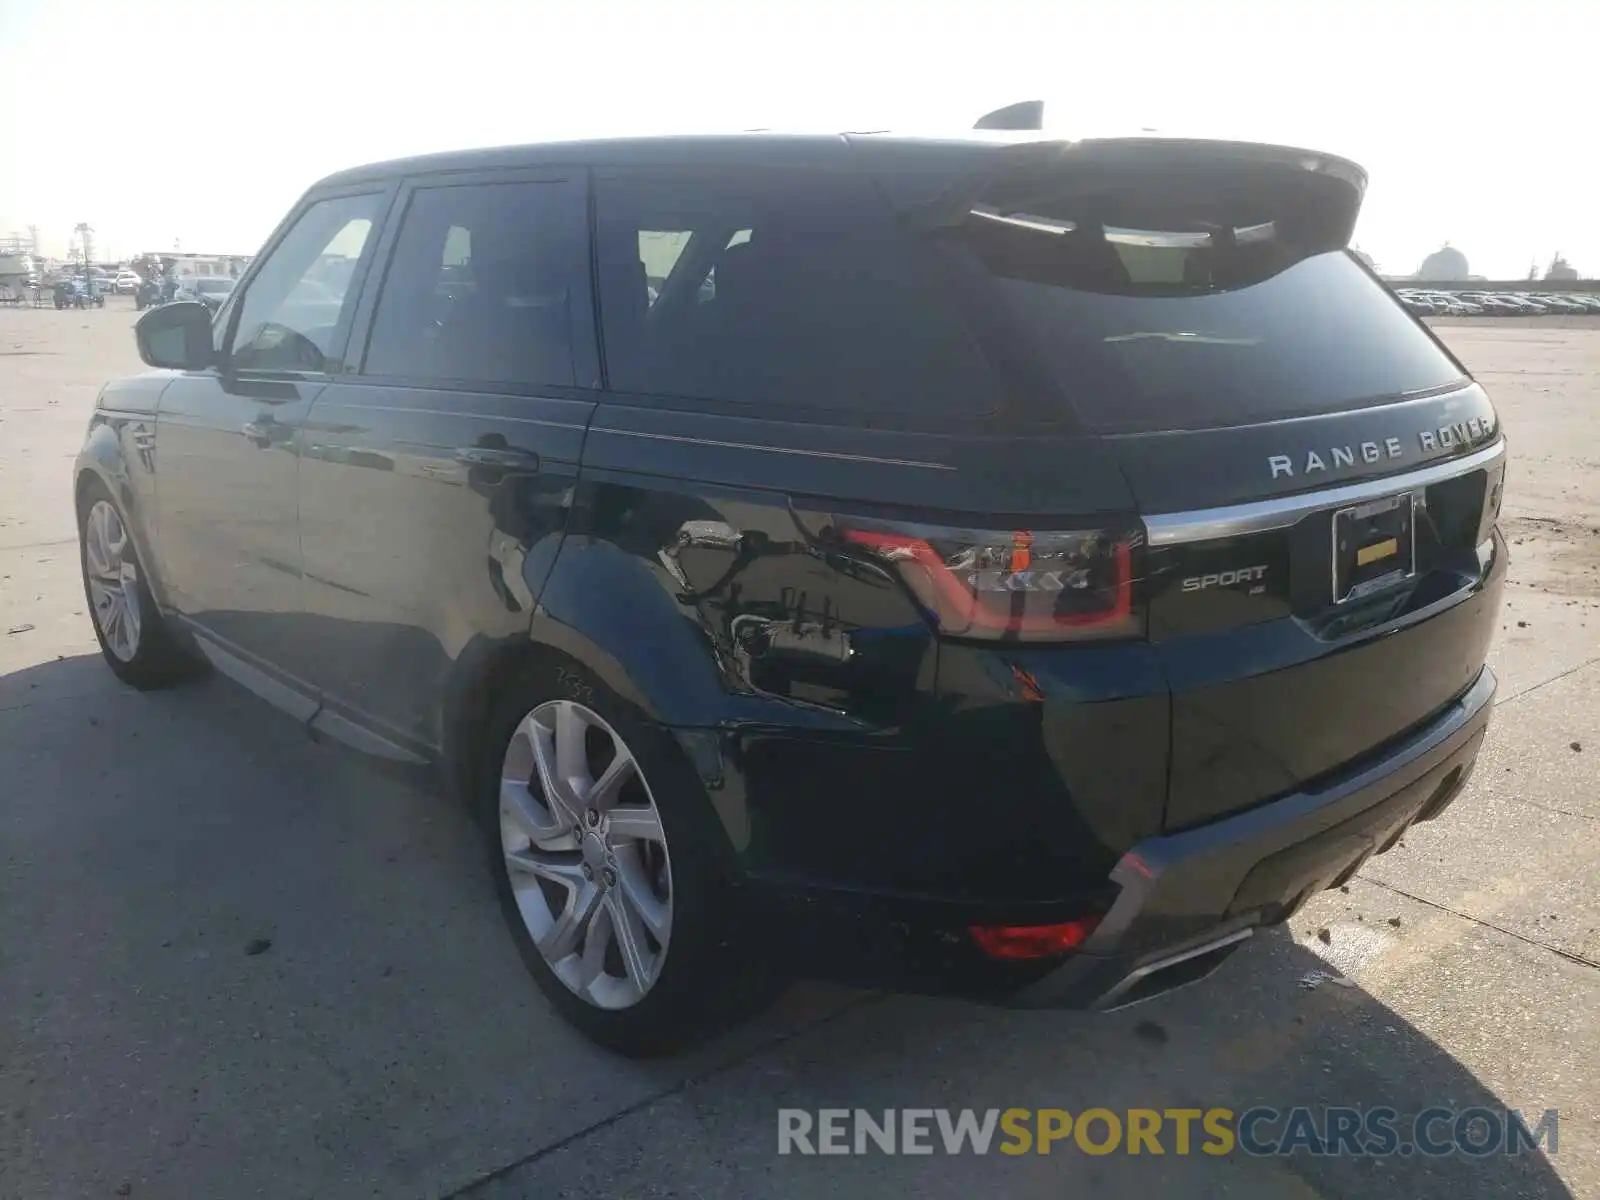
x=706 y=977
x=151 y=658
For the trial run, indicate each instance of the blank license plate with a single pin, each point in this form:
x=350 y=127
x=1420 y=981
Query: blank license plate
x=1374 y=546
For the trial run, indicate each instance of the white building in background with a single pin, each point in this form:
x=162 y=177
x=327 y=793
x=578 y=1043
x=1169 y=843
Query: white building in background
x=204 y=266
x=19 y=269
x=1445 y=264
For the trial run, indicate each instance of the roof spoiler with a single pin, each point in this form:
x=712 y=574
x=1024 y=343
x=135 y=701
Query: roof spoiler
x=1341 y=183
x=1025 y=114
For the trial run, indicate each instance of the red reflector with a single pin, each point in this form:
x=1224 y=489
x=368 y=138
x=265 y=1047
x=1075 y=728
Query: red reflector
x=1021 y=550
x=1033 y=941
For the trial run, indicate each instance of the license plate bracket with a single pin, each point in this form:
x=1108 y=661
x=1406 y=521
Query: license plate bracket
x=1374 y=546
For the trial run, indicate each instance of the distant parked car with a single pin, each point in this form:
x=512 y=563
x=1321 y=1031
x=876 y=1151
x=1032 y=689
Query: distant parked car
x=126 y=283
x=209 y=290
x=1520 y=305
x=1561 y=304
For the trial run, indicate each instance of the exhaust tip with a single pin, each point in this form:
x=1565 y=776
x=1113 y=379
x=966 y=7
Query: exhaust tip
x=1171 y=971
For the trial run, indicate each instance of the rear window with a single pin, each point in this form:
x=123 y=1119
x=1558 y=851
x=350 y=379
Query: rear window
x=777 y=289
x=1193 y=325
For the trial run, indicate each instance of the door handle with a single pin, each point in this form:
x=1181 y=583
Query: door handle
x=502 y=459
x=717 y=535
x=259 y=432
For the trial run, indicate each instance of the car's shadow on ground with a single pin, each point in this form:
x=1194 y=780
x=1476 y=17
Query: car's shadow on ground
x=1254 y=1034
x=152 y=840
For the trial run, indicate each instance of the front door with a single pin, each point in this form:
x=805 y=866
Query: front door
x=227 y=475
x=435 y=479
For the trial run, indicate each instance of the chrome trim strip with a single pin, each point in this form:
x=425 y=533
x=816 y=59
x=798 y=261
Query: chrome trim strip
x=1207 y=524
x=833 y=454
x=1428 y=397
x=458 y=414
x=300 y=705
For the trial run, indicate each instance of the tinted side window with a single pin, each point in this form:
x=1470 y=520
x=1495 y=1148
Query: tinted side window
x=292 y=310
x=774 y=288
x=485 y=285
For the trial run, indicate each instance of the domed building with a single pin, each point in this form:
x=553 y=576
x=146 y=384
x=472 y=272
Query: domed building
x=1445 y=263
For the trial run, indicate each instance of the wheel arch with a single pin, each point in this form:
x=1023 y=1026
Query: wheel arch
x=604 y=611
x=101 y=463
x=489 y=665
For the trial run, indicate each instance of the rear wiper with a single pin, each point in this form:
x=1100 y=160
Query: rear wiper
x=1182 y=337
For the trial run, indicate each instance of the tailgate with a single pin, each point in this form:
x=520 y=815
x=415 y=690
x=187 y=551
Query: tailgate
x=1300 y=632
x=1317 y=474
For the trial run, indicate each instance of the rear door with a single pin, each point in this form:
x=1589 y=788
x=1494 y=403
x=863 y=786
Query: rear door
x=436 y=475
x=1317 y=474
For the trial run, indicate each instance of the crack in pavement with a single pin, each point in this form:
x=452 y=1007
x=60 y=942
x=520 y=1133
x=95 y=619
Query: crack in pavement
x=1543 y=682
x=641 y=1105
x=70 y=541
x=1569 y=955
x=1550 y=808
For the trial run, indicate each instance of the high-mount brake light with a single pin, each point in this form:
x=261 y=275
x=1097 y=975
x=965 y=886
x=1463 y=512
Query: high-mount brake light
x=1012 y=585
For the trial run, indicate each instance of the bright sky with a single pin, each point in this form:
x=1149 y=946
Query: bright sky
x=157 y=120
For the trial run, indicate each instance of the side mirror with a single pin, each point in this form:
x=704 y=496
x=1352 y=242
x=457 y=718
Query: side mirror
x=176 y=336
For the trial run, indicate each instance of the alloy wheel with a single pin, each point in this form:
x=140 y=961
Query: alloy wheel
x=586 y=854
x=112 y=572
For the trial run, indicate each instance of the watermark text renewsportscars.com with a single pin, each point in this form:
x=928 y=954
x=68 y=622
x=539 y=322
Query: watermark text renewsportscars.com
x=1476 y=1132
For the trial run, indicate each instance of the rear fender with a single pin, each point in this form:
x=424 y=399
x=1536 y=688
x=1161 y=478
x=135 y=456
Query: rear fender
x=606 y=609
x=602 y=609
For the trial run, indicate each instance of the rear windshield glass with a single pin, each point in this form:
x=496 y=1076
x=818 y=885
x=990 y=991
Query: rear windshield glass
x=1146 y=329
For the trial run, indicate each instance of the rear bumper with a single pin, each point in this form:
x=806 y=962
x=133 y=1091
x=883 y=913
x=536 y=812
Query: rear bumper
x=1187 y=900
x=1179 y=903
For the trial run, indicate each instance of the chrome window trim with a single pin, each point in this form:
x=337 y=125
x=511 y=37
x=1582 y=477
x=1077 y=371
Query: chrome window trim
x=1257 y=516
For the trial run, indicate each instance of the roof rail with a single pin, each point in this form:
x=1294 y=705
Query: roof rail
x=1026 y=114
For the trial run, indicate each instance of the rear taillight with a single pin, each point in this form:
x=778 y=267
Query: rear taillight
x=1014 y=585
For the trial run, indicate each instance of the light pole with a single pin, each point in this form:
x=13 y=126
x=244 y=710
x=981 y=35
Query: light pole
x=86 y=240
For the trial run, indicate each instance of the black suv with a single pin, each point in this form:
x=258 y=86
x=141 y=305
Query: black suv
x=993 y=565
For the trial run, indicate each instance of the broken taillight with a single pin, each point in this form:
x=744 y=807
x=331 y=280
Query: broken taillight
x=1019 y=585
